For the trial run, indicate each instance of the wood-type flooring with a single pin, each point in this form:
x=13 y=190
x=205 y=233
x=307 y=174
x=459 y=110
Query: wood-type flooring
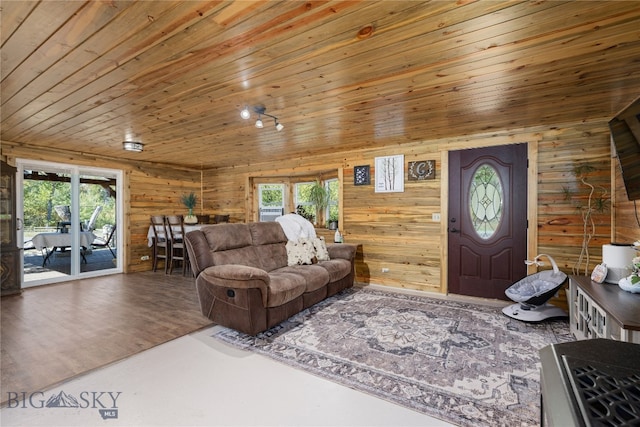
x=50 y=334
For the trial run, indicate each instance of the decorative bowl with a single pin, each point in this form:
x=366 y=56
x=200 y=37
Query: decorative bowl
x=625 y=284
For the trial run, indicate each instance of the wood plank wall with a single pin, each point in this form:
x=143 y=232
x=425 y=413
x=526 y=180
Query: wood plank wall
x=395 y=230
x=563 y=198
x=149 y=190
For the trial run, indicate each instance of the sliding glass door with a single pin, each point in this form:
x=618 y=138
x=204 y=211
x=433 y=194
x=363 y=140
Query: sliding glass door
x=70 y=216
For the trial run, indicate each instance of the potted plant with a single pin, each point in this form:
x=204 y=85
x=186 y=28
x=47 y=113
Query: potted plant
x=319 y=197
x=333 y=221
x=190 y=200
x=300 y=210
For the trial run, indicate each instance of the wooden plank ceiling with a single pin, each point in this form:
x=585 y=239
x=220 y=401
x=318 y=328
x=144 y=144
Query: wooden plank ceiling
x=339 y=75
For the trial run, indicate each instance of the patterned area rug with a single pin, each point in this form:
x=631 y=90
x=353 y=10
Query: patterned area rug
x=467 y=364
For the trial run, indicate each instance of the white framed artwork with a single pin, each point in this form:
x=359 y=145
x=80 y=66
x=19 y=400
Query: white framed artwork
x=390 y=174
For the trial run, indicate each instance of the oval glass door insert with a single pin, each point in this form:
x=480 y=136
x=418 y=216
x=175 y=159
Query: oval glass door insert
x=485 y=201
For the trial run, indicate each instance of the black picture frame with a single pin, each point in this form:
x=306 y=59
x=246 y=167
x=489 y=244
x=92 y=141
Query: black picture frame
x=361 y=175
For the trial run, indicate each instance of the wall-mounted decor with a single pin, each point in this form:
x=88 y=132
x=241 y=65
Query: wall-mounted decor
x=421 y=170
x=390 y=174
x=361 y=175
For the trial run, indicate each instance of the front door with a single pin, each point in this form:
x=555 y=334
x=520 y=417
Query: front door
x=487 y=224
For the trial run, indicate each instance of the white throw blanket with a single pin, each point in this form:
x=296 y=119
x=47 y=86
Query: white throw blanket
x=296 y=227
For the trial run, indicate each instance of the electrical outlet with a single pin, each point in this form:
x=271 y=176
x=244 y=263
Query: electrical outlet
x=385 y=270
x=144 y=258
x=435 y=217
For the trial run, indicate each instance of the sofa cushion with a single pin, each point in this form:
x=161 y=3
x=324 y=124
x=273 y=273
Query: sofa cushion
x=337 y=268
x=242 y=256
x=272 y=256
x=263 y=233
x=223 y=237
x=342 y=250
x=315 y=276
x=284 y=287
x=300 y=252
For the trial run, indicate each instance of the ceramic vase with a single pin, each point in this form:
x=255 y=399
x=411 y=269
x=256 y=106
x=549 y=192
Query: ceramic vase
x=191 y=218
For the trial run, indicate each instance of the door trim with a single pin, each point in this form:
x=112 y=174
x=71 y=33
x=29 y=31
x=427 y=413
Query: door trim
x=532 y=207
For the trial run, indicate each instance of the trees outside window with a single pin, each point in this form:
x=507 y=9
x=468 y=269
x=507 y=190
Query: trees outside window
x=302 y=200
x=41 y=197
x=271 y=201
x=333 y=209
x=271 y=195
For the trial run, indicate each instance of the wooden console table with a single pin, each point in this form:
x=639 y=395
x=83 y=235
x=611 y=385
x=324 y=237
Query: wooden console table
x=603 y=311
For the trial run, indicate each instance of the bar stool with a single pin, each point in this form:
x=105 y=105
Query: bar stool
x=161 y=242
x=178 y=251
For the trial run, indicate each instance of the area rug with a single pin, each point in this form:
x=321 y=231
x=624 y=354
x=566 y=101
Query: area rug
x=464 y=363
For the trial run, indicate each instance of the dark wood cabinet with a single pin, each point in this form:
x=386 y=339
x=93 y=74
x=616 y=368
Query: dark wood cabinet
x=603 y=310
x=10 y=254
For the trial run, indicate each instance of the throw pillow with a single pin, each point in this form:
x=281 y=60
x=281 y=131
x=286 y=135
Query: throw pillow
x=321 y=249
x=300 y=252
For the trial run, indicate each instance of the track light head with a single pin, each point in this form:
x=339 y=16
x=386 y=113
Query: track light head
x=260 y=110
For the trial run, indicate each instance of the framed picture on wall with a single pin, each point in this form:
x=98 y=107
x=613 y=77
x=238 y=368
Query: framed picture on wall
x=389 y=174
x=421 y=170
x=361 y=175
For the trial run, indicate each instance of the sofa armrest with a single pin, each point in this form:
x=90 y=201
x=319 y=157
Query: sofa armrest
x=237 y=277
x=198 y=249
x=342 y=250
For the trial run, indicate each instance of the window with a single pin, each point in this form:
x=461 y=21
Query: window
x=304 y=206
x=274 y=196
x=271 y=201
x=333 y=209
x=485 y=201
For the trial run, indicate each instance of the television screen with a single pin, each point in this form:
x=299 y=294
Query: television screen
x=625 y=133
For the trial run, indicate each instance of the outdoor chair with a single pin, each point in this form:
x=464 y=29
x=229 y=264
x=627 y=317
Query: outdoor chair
x=64 y=213
x=91 y=225
x=102 y=242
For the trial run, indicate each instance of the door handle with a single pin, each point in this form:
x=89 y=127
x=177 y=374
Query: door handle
x=454 y=230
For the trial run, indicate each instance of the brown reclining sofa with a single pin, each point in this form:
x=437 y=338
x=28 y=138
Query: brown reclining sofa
x=244 y=281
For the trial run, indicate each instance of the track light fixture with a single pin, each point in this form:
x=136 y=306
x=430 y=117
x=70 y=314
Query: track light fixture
x=260 y=110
